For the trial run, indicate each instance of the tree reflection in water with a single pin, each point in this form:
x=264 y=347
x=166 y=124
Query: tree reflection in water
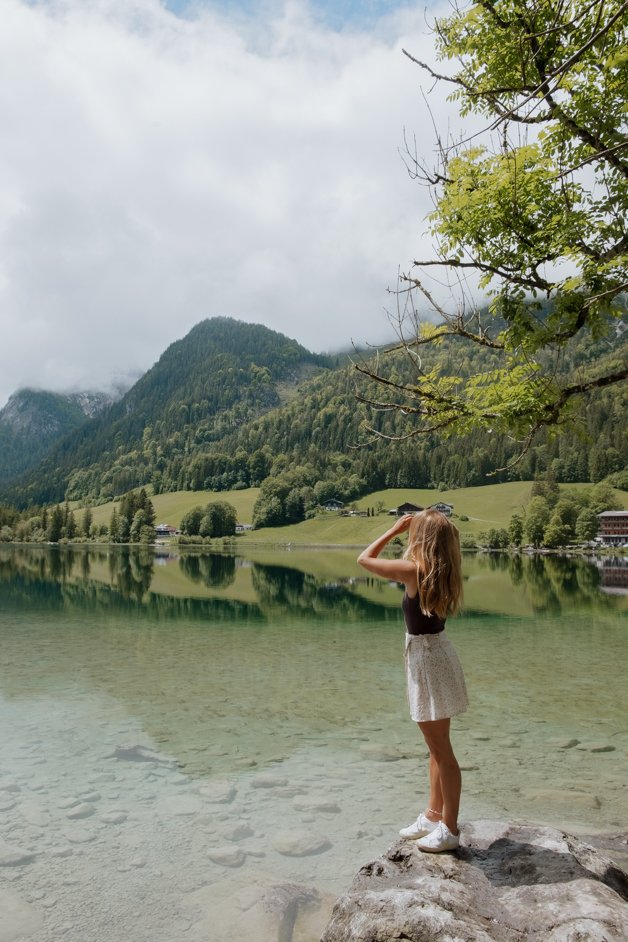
x=213 y=570
x=122 y=577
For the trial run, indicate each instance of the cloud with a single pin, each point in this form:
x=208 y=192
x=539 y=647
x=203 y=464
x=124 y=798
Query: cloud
x=157 y=170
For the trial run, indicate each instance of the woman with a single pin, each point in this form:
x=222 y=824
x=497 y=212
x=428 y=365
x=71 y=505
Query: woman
x=432 y=575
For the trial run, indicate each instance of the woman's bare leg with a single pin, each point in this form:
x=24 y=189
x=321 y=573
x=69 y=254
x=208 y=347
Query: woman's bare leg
x=434 y=810
x=436 y=735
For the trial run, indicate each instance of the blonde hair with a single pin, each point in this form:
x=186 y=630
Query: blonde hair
x=434 y=546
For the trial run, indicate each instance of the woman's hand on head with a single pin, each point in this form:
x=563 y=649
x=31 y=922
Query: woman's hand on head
x=402 y=524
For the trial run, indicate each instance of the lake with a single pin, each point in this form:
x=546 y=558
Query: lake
x=208 y=747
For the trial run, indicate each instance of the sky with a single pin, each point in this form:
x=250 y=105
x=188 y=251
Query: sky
x=167 y=162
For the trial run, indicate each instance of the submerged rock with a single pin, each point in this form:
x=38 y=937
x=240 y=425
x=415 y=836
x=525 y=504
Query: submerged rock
x=300 y=843
x=507 y=883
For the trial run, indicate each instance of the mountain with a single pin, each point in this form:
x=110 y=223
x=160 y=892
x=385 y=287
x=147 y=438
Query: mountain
x=34 y=419
x=235 y=405
x=222 y=374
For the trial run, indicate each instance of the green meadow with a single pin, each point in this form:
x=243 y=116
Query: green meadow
x=490 y=506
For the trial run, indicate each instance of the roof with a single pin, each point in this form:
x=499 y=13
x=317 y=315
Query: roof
x=614 y=513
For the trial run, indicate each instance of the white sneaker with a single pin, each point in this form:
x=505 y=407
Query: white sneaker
x=439 y=839
x=418 y=828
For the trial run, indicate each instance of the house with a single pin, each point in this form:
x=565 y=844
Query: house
x=613 y=527
x=446 y=509
x=407 y=508
x=164 y=529
x=333 y=504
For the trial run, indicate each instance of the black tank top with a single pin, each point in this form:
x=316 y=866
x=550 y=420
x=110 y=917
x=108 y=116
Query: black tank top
x=416 y=622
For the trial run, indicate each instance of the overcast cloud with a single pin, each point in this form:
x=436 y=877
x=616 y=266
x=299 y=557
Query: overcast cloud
x=156 y=170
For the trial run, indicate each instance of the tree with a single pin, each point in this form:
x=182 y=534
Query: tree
x=55 y=525
x=515 y=530
x=191 y=521
x=137 y=524
x=537 y=514
x=219 y=519
x=70 y=525
x=114 y=527
x=88 y=519
x=532 y=209
x=586 y=525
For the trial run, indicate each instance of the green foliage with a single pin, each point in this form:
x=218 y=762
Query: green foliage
x=134 y=520
x=217 y=519
x=533 y=204
x=537 y=514
x=495 y=538
x=55 y=525
x=555 y=519
x=191 y=521
x=515 y=530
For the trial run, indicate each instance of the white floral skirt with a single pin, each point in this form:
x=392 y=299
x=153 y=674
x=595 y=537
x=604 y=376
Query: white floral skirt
x=436 y=687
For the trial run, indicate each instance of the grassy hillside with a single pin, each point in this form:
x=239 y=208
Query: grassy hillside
x=486 y=507
x=170 y=508
x=489 y=506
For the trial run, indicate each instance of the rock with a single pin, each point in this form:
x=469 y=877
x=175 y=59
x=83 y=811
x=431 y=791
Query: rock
x=317 y=804
x=180 y=805
x=82 y=810
x=506 y=883
x=114 y=817
x=219 y=793
x=227 y=856
x=139 y=754
x=283 y=904
x=561 y=798
x=11 y=856
x=34 y=814
x=265 y=913
x=300 y=843
x=239 y=832
x=79 y=836
x=267 y=780
x=382 y=753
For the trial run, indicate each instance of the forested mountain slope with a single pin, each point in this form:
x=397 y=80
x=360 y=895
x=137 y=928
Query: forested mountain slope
x=232 y=405
x=34 y=419
x=220 y=375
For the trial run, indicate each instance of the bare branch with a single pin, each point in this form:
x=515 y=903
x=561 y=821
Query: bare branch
x=539 y=283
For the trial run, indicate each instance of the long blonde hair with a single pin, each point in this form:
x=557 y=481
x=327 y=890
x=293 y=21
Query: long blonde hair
x=434 y=547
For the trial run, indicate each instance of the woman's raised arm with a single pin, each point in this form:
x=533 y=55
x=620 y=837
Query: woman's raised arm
x=400 y=570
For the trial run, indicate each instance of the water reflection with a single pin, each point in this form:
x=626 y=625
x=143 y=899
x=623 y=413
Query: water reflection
x=224 y=584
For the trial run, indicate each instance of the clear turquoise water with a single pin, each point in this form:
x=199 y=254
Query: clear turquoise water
x=181 y=736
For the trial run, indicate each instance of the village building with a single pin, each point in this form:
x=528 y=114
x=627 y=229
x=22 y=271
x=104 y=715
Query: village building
x=613 y=527
x=406 y=508
x=444 y=508
x=164 y=529
x=333 y=504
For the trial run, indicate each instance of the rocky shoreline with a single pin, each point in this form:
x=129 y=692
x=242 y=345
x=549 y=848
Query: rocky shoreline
x=506 y=883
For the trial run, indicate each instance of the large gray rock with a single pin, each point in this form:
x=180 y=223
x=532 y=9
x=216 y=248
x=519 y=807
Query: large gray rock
x=507 y=883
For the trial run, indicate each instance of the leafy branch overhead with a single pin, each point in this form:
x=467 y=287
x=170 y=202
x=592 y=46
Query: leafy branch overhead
x=531 y=211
